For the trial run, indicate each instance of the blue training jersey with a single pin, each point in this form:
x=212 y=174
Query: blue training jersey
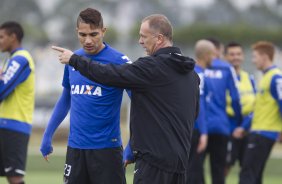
x=95 y=108
x=220 y=78
x=17 y=92
x=200 y=123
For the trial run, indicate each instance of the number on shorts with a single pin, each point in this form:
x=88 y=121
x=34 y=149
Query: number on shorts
x=67 y=170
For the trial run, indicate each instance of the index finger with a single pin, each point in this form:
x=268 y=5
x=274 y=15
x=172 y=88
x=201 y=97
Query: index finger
x=60 y=49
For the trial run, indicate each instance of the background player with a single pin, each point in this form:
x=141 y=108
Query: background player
x=16 y=103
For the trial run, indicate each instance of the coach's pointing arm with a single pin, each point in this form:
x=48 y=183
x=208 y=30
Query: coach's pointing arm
x=137 y=75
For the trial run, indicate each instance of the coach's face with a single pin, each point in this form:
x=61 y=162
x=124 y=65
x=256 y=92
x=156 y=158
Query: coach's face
x=6 y=40
x=90 y=37
x=148 y=39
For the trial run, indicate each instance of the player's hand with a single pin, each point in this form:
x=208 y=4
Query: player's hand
x=46 y=147
x=203 y=142
x=238 y=133
x=64 y=55
x=127 y=162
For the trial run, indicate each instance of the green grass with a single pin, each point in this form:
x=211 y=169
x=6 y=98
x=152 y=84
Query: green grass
x=39 y=171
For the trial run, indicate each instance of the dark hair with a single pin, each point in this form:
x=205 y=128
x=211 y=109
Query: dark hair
x=160 y=23
x=13 y=28
x=265 y=47
x=232 y=44
x=90 y=16
x=215 y=42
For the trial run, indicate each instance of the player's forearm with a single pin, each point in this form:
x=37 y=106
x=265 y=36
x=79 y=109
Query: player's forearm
x=60 y=112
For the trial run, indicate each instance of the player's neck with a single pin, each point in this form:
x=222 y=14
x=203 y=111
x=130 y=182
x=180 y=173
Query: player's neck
x=201 y=63
x=237 y=69
x=14 y=47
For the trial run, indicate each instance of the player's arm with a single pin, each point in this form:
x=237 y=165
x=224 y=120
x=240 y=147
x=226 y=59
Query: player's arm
x=59 y=113
x=128 y=157
x=276 y=90
x=252 y=79
x=234 y=93
x=202 y=126
x=245 y=126
x=17 y=71
x=240 y=131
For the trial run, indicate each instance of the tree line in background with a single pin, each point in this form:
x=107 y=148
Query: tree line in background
x=221 y=19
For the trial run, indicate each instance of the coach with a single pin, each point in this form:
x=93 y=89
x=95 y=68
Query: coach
x=164 y=101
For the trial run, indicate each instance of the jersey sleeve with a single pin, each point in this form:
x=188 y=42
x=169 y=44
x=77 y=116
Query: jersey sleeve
x=276 y=90
x=17 y=71
x=252 y=79
x=201 y=116
x=234 y=93
x=66 y=81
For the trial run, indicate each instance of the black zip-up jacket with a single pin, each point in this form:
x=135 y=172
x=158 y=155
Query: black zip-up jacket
x=164 y=103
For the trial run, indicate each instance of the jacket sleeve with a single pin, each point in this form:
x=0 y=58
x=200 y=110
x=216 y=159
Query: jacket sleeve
x=140 y=74
x=234 y=93
x=17 y=71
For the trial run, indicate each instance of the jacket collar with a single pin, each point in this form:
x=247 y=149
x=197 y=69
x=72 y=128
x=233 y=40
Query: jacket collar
x=167 y=50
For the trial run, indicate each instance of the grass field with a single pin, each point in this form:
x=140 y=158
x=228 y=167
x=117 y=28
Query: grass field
x=41 y=172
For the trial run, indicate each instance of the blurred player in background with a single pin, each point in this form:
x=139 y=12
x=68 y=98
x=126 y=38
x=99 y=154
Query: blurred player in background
x=94 y=153
x=16 y=103
x=205 y=53
x=267 y=118
x=220 y=78
x=236 y=146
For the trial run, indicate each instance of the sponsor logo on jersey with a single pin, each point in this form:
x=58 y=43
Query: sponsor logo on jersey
x=86 y=90
x=216 y=74
x=128 y=61
x=11 y=71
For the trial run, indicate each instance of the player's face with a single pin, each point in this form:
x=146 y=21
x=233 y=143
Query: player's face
x=90 y=38
x=148 y=40
x=6 y=41
x=211 y=56
x=258 y=60
x=235 y=56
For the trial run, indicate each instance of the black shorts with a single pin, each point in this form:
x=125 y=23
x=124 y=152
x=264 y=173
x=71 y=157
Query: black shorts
x=88 y=166
x=13 y=152
x=144 y=173
x=235 y=151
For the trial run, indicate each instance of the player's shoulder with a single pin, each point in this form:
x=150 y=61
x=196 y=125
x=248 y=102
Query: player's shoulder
x=219 y=63
x=116 y=56
x=79 y=52
x=198 y=69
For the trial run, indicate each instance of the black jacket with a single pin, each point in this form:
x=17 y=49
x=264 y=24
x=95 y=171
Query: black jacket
x=164 y=103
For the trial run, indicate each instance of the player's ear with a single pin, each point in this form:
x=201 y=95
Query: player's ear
x=104 y=31
x=13 y=36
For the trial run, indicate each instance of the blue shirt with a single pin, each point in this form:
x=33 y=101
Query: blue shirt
x=200 y=123
x=95 y=108
x=220 y=77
